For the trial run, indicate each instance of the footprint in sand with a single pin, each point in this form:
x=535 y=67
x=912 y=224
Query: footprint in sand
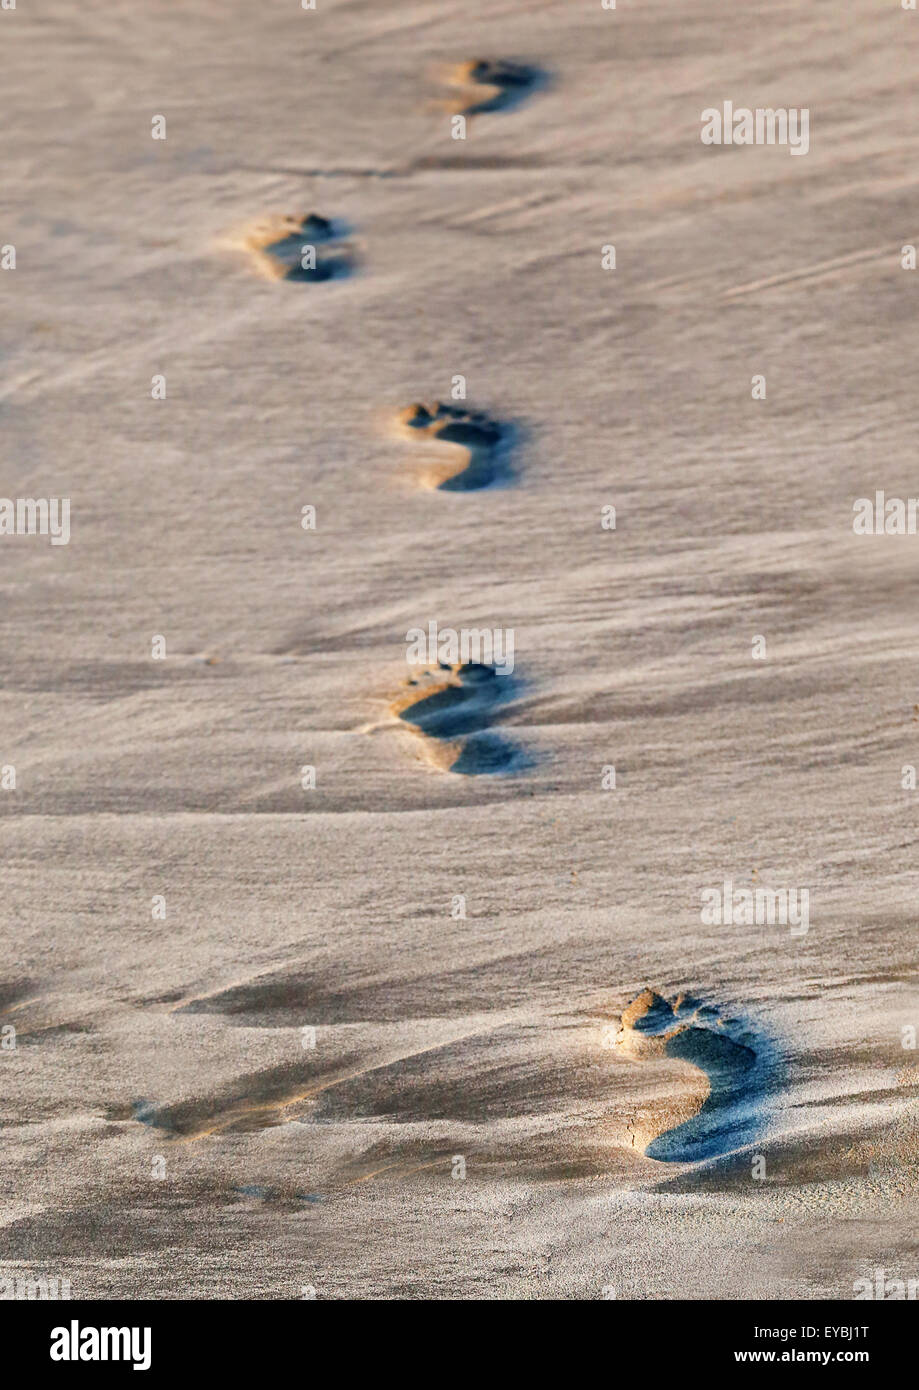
x=490 y=84
x=294 y=247
x=479 y=453
x=452 y=709
x=705 y=1124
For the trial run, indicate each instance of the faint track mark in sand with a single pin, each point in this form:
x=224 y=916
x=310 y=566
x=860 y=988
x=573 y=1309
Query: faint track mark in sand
x=725 y=1111
x=17 y=994
x=402 y=1168
x=812 y=272
x=282 y=1088
x=460 y=163
x=509 y=212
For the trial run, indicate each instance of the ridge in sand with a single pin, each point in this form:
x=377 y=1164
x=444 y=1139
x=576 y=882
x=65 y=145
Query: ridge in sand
x=722 y=1113
x=478 y=457
x=304 y=247
x=452 y=708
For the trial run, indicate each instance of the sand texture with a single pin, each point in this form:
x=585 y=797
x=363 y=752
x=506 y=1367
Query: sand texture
x=328 y=972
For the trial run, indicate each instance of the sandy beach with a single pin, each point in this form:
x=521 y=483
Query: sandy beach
x=325 y=970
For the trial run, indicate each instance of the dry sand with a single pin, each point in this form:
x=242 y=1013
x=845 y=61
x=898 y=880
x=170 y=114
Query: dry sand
x=166 y=1133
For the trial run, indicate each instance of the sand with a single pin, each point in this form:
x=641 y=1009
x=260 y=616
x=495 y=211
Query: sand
x=375 y=1047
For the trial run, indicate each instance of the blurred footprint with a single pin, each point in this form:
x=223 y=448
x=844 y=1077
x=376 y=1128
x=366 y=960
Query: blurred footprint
x=481 y=445
x=294 y=247
x=491 y=84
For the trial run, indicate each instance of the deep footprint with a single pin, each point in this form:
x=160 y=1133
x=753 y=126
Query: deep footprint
x=733 y=1113
x=479 y=458
x=300 y=248
x=493 y=84
x=454 y=707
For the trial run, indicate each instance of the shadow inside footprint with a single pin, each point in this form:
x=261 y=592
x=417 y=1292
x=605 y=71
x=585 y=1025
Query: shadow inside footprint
x=497 y=84
x=486 y=753
x=737 y=1064
x=306 y=249
x=328 y=268
x=464 y=708
x=334 y=262
x=487 y=444
x=732 y=1116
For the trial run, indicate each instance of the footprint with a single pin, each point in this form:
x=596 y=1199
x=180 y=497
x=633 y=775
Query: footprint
x=452 y=708
x=732 y=1112
x=286 y=247
x=481 y=445
x=492 y=84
